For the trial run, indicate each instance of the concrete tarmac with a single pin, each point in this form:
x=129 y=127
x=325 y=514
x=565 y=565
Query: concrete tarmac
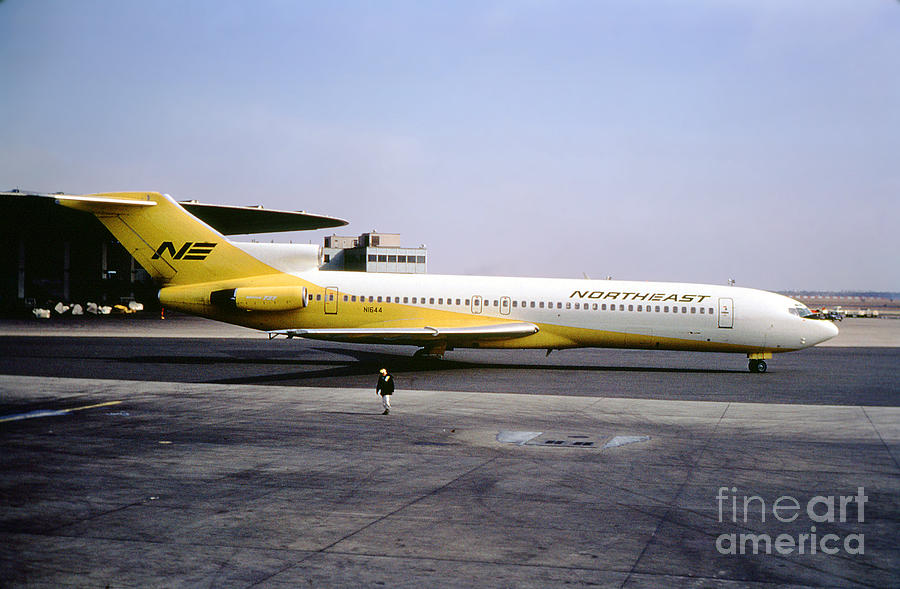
x=161 y=482
x=865 y=372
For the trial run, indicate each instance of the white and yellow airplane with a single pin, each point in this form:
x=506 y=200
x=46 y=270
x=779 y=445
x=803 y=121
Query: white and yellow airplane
x=279 y=288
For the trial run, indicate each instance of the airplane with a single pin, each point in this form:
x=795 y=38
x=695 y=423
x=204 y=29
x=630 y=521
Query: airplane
x=278 y=288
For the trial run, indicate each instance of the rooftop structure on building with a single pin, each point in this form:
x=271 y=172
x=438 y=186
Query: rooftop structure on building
x=373 y=252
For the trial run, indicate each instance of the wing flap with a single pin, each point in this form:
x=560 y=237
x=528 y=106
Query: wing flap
x=416 y=335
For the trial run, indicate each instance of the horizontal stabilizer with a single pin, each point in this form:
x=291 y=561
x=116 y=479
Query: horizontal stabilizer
x=102 y=204
x=95 y=203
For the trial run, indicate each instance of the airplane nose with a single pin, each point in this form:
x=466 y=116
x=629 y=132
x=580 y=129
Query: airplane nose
x=821 y=331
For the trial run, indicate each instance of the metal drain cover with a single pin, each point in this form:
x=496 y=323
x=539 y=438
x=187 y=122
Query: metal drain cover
x=561 y=440
x=624 y=441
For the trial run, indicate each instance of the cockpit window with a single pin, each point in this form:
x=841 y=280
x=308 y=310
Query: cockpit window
x=800 y=311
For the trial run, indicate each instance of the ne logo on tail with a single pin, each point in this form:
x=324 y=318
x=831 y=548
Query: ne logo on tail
x=189 y=251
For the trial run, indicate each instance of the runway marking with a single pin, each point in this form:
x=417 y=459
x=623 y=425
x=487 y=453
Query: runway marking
x=52 y=412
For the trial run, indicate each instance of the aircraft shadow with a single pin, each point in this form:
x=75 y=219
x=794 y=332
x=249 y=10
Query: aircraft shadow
x=367 y=363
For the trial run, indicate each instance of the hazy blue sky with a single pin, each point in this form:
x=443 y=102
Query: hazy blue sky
x=691 y=140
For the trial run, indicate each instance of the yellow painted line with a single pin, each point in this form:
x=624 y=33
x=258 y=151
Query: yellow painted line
x=107 y=404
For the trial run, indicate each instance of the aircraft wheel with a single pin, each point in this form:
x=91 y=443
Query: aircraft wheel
x=758 y=366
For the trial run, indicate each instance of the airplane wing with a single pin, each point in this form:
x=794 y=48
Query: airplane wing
x=418 y=336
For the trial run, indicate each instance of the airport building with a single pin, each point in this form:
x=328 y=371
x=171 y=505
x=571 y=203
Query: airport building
x=50 y=253
x=373 y=252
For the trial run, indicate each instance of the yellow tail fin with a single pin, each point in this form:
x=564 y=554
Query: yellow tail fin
x=175 y=247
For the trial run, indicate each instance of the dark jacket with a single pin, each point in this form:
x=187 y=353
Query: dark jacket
x=385 y=384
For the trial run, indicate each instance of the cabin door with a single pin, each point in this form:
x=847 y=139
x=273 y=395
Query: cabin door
x=726 y=313
x=331 y=300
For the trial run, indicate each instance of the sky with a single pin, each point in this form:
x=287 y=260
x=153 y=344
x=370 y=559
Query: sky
x=691 y=141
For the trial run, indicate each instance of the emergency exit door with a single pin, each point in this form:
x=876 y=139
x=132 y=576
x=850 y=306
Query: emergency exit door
x=476 y=304
x=331 y=300
x=726 y=313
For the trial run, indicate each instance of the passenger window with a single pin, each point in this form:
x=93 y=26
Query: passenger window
x=431 y=301
x=693 y=310
x=657 y=308
x=666 y=309
x=440 y=301
x=702 y=310
x=631 y=307
x=542 y=304
x=405 y=300
x=674 y=309
x=684 y=309
x=457 y=302
x=345 y=298
x=515 y=304
x=318 y=297
x=711 y=311
x=468 y=302
x=595 y=306
x=640 y=307
x=496 y=303
x=568 y=305
x=621 y=307
x=577 y=305
x=379 y=298
x=353 y=299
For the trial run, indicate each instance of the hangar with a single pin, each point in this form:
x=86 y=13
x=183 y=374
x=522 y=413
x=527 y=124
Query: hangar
x=50 y=253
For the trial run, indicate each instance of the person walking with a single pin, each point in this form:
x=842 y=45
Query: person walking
x=385 y=388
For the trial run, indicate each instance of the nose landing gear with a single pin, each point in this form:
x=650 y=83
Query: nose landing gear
x=758 y=361
x=758 y=366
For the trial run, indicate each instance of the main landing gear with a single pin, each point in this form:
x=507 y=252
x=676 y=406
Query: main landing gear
x=758 y=366
x=429 y=353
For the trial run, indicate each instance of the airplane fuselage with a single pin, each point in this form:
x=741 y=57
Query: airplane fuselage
x=568 y=312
